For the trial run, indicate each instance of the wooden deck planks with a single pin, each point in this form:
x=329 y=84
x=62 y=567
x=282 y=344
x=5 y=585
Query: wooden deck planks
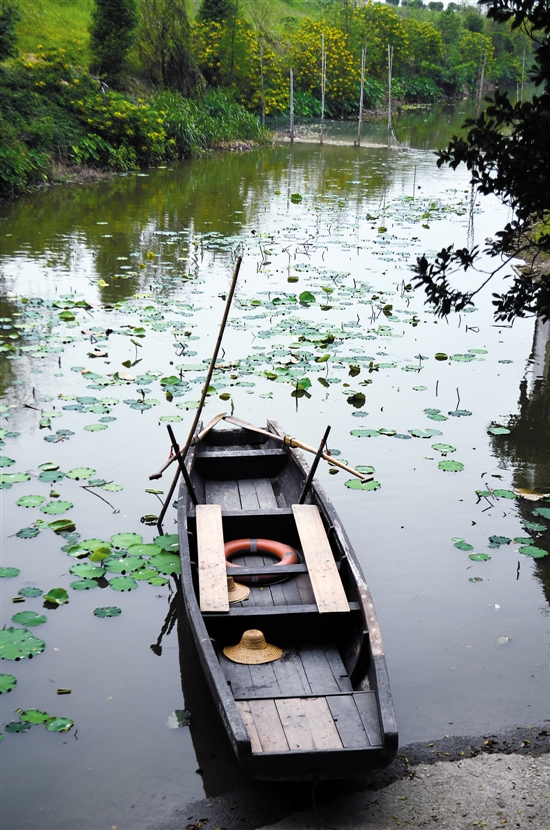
x=295 y=724
x=247 y=492
x=321 y=723
x=224 y=493
x=325 y=579
x=290 y=674
x=348 y=721
x=264 y=491
x=317 y=669
x=212 y=569
x=268 y=725
x=368 y=711
x=248 y=718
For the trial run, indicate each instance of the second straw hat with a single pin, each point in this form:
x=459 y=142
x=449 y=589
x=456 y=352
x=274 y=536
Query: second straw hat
x=235 y=591
x=253 y=649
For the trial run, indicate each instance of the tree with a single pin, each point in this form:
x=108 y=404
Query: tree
x=508 y=153
x=9 y=15
x=217 y=10
x=163 y=42
x=112 y=34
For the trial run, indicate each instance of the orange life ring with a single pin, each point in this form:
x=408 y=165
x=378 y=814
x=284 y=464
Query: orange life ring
x=284 y=553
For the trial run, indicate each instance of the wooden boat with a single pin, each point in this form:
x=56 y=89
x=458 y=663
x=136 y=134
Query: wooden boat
x=324 y=709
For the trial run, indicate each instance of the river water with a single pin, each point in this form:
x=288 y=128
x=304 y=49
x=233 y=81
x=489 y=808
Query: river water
x=151 y=255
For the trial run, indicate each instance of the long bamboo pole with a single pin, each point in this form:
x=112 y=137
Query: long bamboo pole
x=363 y=62
x=184 y=449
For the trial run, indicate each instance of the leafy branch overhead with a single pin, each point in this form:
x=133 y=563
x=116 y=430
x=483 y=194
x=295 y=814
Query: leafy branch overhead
x=508 y=153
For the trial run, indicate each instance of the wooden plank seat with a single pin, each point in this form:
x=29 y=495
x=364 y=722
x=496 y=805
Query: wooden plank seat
x=212 y=564
x=325 y=579
x=332 y=722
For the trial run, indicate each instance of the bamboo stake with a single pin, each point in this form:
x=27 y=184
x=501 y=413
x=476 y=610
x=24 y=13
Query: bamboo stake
x=291 y=106
x=363 y=61
x=323 y=82
x=185 y=448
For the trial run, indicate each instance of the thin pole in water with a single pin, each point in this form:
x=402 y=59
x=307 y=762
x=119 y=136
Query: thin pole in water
x=390 y=61
x=363 y=61
x=414 y=181
x=291 y=106
x=262 y=78
x=323 y=82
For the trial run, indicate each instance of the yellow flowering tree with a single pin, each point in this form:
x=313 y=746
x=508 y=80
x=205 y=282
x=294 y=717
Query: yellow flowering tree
x=475 y=50
x=376 y=26
x=343 y=71
x=234 y=58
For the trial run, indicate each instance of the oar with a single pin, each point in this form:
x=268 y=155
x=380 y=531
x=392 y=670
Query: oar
x=184 y=450
x=293 y=442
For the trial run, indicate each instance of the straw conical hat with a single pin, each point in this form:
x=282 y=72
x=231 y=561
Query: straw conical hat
x=253 y=649
x=235 y=591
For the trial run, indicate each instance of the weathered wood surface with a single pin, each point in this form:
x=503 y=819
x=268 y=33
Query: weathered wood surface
x=212 y=569
x=325 y=579
x=334 y=722
x=244 y=494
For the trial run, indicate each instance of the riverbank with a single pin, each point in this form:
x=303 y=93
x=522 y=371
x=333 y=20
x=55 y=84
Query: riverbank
x=493 y=780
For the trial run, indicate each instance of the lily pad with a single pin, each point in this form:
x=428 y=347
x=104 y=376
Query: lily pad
x=56 y=507
x=95 y=427
x=479 y=557
x=7 y=683
x=19 y=643
x=30 y=618
x=144 y=550
x=62 y=526
x=504 y=494
x=541 y=511
x=499 y=540
x=84 y=584
x=535 y=526
x=532 y=550
x=92 y=544
x=34 y=716
x=124 y=540
x=166 y=563
x=123 y=583
x=496 y=430
x=475 y=579
x=17 y=726
x=30 y=501
x=9 y=573
x=80 y=473
x=364 y=433
x=463 y=545
x=111 y=487
x=443 y=448
x=30 y=592
x=59 y=724
x=28 y=532
x=357 y=484
x=451 y=466
x=57 y=596
x=13 y=478
x=5 y=461
x=108 y=611
x=86 y=570
x=168 y=542
x=51 y=476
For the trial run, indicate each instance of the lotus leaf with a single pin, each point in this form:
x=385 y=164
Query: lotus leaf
x=496 y=430
x=96 y=482
x=475 y=579
x=522 y=540
x=362 y=468
x=168 y=542
x=30 y=501
x=166 y=563
x=357 y=484
x=479 y=557
x=535 y=526
x=144 y=574
x=124 y=564
x=30 y=618
x=364 y=433
x=86 y=570
x=84 y=584
x=95 y=427
x=7 y=683
x=108 y=611
x=30 y=592
x=57 y=596
x=54 y=508
x=124 y=540
x=27 y=532
x=111 y=487
x=13 y=478
x=460 y=412
x=5 y=461
x=123 y=583
x=51 y=476
x=504 y=494
x=443 y=448
x=9 y=573
x=532 y=550
x=62 y=526
x=499 y=540
x=19 y=643
x=34 y=716
x=17 y=726
x=541 y=511
x=157 y=581
x=59 y=724
x=80 y=473
x=145 y=550
x=451 y=466
x=100 y=553
x=462 y=545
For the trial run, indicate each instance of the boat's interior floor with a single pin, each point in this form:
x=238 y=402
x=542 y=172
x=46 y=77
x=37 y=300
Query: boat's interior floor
x=302 y=702
x=242 y=494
